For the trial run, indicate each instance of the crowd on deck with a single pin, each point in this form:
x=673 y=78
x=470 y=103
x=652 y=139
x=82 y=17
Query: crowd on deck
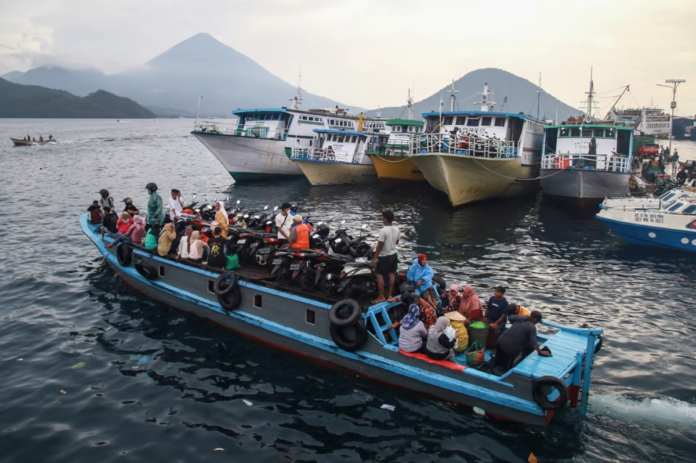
x=434 y=325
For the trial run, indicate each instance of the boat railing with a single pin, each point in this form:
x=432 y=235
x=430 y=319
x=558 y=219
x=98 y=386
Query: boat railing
x=584 y=161
x=233 y=129
x=320 y=154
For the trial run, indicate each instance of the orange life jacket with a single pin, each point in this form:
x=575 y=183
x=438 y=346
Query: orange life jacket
x=302 y=237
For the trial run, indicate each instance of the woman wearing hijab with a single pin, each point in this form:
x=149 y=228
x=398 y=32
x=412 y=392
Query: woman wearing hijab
x=439 y=345
x=422 y=275
x=184 y=245
x=470 y=306
x=196 y=247
x=135 y=233
x=166 y=238
x=413 y=334
x=123 y=223
x=152 y=237
x=221 y=217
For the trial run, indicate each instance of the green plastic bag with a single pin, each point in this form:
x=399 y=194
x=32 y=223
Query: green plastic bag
x=476 y=355
x=232 y=262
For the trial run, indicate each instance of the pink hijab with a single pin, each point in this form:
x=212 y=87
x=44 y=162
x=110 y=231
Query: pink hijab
x=470 y=301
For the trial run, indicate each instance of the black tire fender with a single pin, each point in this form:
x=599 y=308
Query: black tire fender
x=349 y=338
x=539 y=393
x=598 y=347
x=218 y=288
x=146 y=270
x=124 y=254
x=338 y=308
x=230 y=300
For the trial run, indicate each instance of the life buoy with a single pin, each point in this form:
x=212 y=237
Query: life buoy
x=349 y=338
x=339 y=315
x=221 y=287
x=146 y=270
x=231 y=300
x=540 y=392
x=124 y=254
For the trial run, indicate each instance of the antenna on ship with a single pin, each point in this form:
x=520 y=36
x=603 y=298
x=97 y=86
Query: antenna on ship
x=539 y=97
x=297 y=99
x=453 y=97
x=379 y=112
x=590 y=95
x=487 y=104
x=409 y=105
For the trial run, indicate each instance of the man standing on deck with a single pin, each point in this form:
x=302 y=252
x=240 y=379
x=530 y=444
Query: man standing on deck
x=519 y=339
x=497 y=311
x=385 y=260
x=284 y=223
x=155 y=208
x=176 y=205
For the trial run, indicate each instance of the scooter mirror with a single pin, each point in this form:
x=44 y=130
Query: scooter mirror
x=338 y=240
x=316 y=237
x=194 y=196
x=342 y=222
x=265 y=208
x=246 y=216
x=198 y=210
x=238 y=201
x=269 y=222
x=320 y=223
x=364 y=226
x=275 y=208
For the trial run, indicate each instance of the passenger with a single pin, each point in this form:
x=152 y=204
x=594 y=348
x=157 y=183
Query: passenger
x=130 y=208
x=221 y=218
x=440 y=346
x=284 y=222
x=197 y=247
x=216 y=244
x=299 y=235
x=135 y=233
x=453 y=300
x=184 y=244
x=385 y=260
x=293 y=212
x=176 y=205
x=413 y=334
x=41 y=138
x=106 y=200
x=108 y=222
x=682 y=176
x=426 y=313
x=470 y=306
x=50 y=137
x=95 y=213
x=516 y=309
x=422 y=275
x=497 y=311
x=123 y=223
x=155 y=208
x=166 y=238
x=152 y=236
x=520 y=338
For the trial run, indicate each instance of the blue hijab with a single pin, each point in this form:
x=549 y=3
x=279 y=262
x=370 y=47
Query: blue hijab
x=412 y=317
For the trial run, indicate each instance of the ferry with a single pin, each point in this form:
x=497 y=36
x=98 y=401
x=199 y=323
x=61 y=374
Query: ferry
x=391 y=153
x=646 y=121
x=477 y=155
x=259 y=144
x=358 y=337
x=338 y=157
x=666 y=222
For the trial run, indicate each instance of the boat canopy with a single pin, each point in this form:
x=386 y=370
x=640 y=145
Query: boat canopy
x=478 y=113
x=405 y=122
x=588 y=126
x=259 y=110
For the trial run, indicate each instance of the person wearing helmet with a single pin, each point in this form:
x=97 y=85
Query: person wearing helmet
x=293 y=213
x=107 y=201
x=155 y=207
x=130 y=207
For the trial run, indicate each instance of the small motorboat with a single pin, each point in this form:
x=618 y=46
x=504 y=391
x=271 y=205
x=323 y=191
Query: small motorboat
x=23 y=142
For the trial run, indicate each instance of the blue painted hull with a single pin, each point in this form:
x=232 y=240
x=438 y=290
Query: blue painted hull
x=645 y=235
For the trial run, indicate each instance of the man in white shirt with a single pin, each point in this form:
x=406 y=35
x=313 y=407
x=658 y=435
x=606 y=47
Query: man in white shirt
x=176 y=205
x=283 y=222
x=385 y=260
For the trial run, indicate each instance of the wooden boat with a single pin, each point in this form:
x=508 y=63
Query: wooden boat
x=22 y=142
x=300 y=322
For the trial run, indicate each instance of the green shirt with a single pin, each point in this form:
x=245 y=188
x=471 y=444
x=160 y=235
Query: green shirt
x=150 y=241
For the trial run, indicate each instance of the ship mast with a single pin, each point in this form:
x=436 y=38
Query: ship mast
x=297 y=99
x=487 y=104
x=409 y=105
x=452 y=97
x=539 y=97
x=590 y=96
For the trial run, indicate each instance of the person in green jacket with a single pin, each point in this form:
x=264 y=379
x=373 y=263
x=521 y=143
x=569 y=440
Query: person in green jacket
x=152 y=237
x=155 y=207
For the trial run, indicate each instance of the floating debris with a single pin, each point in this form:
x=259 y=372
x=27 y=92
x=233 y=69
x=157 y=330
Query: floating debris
x=63 y=392
x=78 y=366
x=391 y=408
x=144 y=359
x=479 y=411
x=219 y=449
x=20 y=360
x=248 y=402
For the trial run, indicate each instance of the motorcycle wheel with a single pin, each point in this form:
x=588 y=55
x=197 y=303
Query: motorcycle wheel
x=307 y=280
x=361 y=288
x=262 y=258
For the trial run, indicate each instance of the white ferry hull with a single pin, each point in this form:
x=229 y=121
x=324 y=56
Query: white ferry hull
x=248 y=158
x=582 y=184
x=337 y=173
x=470 y=179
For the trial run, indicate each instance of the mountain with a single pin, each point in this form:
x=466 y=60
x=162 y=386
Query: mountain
x=12 y=76
x=171 y=83
x=33 y=101
x=521 y=96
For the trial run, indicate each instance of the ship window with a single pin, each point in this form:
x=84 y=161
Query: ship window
x=564 y=132
x=599 y=133
x=161 y=270
x=211 y=287
x=448 y=120
x=339 y=138
x=671 y=209
x=575 y=132
x=472 y=122
x=587 y=133
x=610 y=133
x=352 y=139
x=486 y=121
x=309 y=317
x=461 y=120
x=500 y=122
x=689 y=210
x=258 y=301
x=667 y=196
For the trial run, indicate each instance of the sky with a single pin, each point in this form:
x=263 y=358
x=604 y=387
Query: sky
x=368 y=53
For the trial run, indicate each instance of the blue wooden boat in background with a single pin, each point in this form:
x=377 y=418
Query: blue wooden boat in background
x=255 y=306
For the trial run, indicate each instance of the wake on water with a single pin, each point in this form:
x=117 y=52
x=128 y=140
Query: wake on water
x=665 y=410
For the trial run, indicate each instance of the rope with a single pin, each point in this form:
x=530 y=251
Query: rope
x=519 y=179
x=406 y=158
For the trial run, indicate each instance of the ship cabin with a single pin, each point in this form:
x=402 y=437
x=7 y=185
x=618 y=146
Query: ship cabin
x=602 y=147
x=344 y=146
x=263 y=123
x=397 y=139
